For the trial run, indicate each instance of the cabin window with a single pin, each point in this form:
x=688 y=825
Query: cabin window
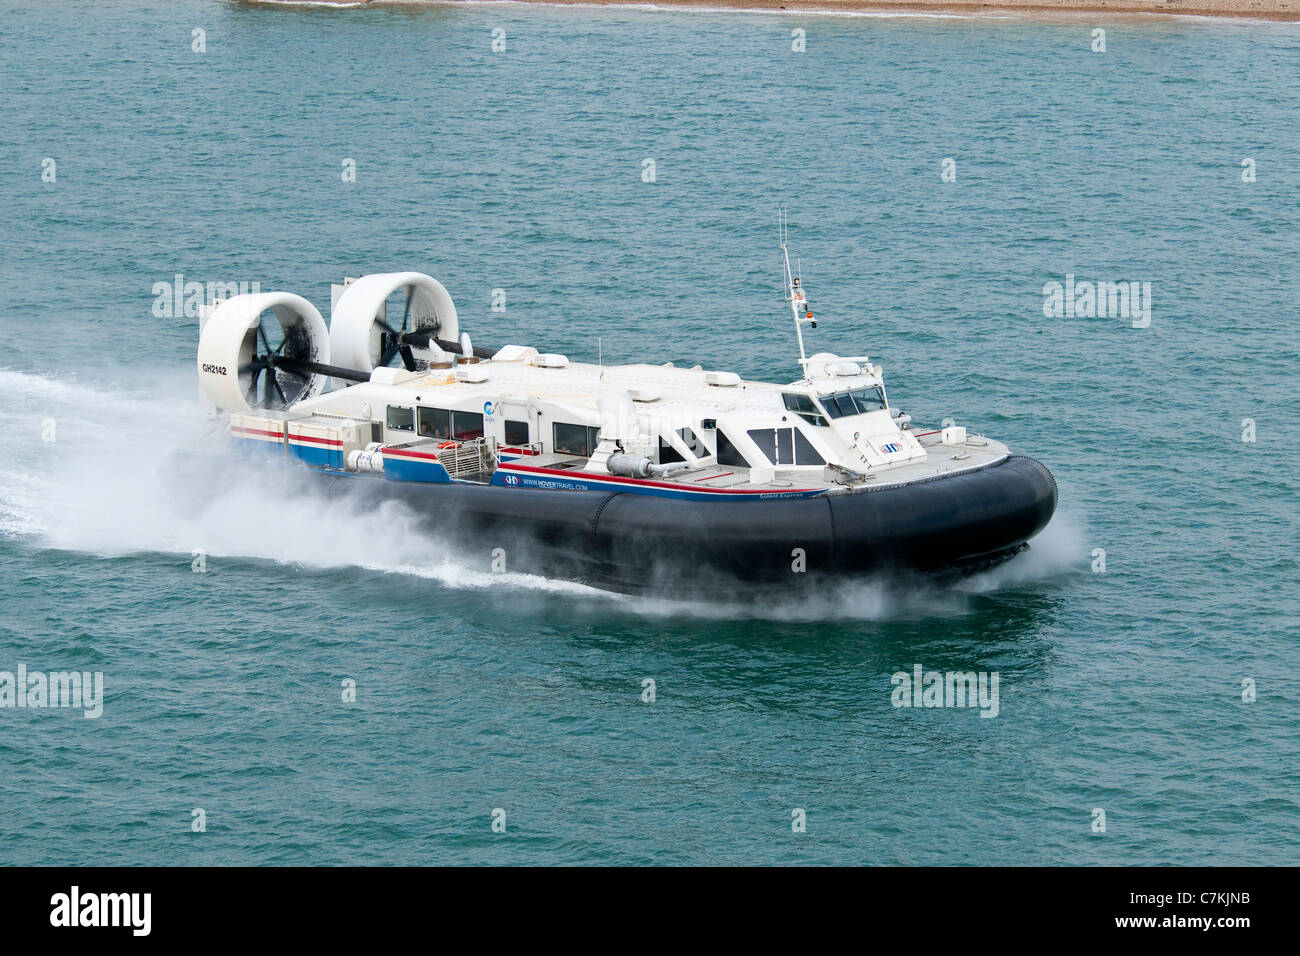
x=516 y=433
x=442 y=423
x=667 y=453
x=466 y=426
x=435 y=423
x=575 y=439
x=729 y=454
x=765 y=439
x=785 y=446
x=804 y=452
x=401 y=419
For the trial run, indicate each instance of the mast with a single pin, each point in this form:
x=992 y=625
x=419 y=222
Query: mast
x=792 y=293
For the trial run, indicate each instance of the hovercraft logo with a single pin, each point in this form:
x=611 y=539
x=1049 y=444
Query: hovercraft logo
x=891 y=448
x=73 y=909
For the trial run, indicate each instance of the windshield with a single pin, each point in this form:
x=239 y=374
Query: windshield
x=856 y=402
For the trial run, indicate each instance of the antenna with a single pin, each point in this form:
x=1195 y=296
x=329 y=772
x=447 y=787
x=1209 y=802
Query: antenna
x=794 y=295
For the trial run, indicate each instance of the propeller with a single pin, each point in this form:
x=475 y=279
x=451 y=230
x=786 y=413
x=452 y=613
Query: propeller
x=402 y=341
x=281 y=375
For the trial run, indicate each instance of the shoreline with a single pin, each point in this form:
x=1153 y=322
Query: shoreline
x=1265 y=10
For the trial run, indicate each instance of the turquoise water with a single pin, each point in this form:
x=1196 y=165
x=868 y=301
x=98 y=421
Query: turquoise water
x=522 y=170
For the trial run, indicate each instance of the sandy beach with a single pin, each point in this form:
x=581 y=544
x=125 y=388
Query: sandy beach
x=1248 y=9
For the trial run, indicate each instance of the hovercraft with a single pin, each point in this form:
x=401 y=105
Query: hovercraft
x=631 y=478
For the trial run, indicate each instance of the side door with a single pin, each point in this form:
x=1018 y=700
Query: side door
x=518 y=423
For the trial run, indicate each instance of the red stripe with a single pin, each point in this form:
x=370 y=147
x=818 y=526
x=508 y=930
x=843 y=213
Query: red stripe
x=315 y=441
x=619 y=479
x=255 y=431
x=518 y=451
x=711 y=477
x=390 y=452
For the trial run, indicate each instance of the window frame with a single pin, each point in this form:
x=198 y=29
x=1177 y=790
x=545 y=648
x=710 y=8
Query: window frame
x=505 y=431
x=420 y=415
x=455 y=426
x=789 y=445
x=388 y=418
x=591 y=437
x=831 y=402
x=727 y=446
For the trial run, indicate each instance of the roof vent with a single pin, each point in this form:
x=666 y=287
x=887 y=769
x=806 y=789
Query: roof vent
x=722 y=379
x=391 y=376
x=474 y=373
x=514 y=353
x=550 y=360
x=647 y=394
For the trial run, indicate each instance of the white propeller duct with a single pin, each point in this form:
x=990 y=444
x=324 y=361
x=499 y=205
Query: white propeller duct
x=364 y=337
x=251 y=347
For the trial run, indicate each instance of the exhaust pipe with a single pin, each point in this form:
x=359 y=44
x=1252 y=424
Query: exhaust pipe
x=629 y=466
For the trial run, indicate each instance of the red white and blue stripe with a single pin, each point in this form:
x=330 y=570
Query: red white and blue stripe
x=516 y=475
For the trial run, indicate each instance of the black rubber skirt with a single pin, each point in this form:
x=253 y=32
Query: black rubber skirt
x=638 y=543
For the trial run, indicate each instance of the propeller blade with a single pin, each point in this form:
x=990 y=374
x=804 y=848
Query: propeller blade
x=406 y=312
x=408 y=357
x=276 y=382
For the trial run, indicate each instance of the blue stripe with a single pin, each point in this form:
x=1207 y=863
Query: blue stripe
x=517 y=479
x=405 y=469
x=315 y=455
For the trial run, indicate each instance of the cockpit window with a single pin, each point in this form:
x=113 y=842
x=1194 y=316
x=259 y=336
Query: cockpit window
x=868 y=399
x=856 y=402
x=843 y=404
x=804 y=407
